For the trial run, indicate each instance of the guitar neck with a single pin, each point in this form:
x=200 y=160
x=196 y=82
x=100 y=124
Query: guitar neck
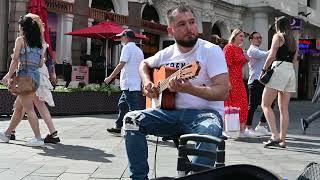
x=164 y=84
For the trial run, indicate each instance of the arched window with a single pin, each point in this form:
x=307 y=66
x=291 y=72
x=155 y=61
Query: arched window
x=150 y=13
x=216 y=30
x=150 y=46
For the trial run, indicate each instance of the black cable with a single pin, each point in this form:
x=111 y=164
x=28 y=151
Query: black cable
x=155 y=159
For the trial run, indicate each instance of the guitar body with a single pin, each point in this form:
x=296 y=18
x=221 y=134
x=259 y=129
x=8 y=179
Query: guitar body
x=167 y=101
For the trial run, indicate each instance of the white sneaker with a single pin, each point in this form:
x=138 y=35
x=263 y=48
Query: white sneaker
x=4 y=137
x=225 y=134
x=262 y=130
x=35 y=142
x=249 y=133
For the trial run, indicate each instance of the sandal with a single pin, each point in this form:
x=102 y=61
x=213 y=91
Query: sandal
x=271 y=142
x=282 y=144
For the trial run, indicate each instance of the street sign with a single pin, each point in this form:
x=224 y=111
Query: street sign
x=295 y=23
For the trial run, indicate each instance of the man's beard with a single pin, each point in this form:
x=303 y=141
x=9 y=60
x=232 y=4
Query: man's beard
x=187 y=43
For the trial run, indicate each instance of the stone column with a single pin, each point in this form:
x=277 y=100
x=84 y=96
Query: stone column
x=68 y=23
x=4 y=13
x=17 y=9
x=206 y=30
x=80 y=20
x=261 y=25
x=90 y=21
x=63 y=44
x=134 y=18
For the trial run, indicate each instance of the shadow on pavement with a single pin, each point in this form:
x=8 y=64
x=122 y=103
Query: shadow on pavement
x=75 y=152
x=295 y=144
x=311 y=146
x=258 y=140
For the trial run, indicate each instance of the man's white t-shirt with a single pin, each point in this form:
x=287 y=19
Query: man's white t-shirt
x=129 y=75
x=212 y=62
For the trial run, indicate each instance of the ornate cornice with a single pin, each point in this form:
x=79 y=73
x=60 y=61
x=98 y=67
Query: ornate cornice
x=162 y=8
x=207 y=15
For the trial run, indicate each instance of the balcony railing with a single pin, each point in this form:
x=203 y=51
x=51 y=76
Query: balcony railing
x=154 y=26
x=102 y=15
x=118 y=18
x=59 y=6
x=105 y=15
x=98 y=14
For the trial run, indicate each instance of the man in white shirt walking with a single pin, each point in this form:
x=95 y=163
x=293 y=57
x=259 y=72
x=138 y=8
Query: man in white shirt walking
x=130 y=82
x=257 y=60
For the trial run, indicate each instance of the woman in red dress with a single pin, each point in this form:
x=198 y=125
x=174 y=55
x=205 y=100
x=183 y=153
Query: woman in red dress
x=237 y=95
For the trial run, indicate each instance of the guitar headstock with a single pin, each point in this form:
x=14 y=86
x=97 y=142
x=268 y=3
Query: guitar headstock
x=189 y=71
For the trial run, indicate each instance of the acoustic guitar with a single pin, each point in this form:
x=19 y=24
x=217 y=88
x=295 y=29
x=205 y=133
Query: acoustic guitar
x=161 y=77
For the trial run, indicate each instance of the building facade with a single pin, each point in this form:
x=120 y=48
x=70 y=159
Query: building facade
x=218 y=17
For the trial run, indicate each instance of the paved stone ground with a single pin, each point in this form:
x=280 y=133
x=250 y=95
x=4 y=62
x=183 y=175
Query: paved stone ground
x=87 y=152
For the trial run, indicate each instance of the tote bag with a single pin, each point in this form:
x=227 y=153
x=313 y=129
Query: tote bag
x=231 y=119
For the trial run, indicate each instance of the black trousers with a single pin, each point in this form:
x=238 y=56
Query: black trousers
x=313 y=117
x=255 y=90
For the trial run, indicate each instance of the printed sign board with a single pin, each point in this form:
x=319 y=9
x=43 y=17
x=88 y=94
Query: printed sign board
x=80 y=73
x=295 y=23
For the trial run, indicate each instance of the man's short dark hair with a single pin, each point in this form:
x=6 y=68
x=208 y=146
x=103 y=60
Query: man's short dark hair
x=181 y=9
x=251 y=35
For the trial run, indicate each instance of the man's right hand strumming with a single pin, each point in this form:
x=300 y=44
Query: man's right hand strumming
x=150 y=90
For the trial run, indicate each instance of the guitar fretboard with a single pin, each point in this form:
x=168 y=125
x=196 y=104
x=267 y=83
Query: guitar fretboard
x=164 y=84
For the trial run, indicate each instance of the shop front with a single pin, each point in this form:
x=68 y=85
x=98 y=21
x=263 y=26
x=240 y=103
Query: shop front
x=309 y=56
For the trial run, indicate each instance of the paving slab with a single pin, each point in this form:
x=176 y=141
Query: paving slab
x=86 y=151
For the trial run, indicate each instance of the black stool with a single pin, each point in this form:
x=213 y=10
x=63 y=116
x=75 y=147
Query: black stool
x=184 y=165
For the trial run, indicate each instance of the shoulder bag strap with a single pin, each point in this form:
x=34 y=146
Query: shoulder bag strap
x=277 y=65
x=26 y=53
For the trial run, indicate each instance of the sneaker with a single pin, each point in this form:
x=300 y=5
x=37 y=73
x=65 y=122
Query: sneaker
x=5 y=138
x=114 y=130
x=52 y=138
x=225 y=134
x=35 y=142
x=304 y=125
x=13 y=135
x=249 y=133
x=261 y=130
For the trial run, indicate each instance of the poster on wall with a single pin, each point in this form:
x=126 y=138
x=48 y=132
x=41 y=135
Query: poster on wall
x=80 y=73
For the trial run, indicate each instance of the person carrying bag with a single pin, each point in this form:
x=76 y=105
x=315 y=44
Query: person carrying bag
x=26 y=60
x=25 y=84
x=266 y=74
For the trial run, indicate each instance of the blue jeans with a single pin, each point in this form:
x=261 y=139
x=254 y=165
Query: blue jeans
x=161 y=122
x=129 y=101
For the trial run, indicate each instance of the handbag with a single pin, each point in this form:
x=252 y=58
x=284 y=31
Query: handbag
x=266 y=76
x=22 y=85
